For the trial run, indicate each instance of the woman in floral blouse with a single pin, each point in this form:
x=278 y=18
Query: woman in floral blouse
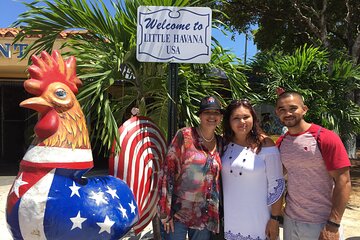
x=189 y=200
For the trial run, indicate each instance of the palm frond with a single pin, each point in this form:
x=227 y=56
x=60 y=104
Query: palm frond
x=114 y=81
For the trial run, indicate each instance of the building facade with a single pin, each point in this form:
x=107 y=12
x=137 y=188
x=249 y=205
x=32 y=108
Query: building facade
x=16 y=123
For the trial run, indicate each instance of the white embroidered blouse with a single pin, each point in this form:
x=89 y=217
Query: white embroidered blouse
x=251 y=184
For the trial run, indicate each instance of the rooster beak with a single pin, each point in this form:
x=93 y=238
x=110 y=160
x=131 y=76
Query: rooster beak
x=38 y=104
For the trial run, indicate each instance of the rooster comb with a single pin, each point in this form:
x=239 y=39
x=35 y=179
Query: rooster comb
x=48 y=69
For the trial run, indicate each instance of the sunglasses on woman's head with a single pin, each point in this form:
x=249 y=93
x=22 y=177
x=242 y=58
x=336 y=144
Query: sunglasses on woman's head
x=240 y=101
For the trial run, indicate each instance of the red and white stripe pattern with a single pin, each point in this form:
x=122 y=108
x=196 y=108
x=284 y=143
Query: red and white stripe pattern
x=139 y=162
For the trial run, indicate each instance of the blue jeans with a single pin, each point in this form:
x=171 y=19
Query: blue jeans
x=180 y=231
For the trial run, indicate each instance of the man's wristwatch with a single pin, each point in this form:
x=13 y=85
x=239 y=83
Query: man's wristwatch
x=333 y=224
x=276 y=218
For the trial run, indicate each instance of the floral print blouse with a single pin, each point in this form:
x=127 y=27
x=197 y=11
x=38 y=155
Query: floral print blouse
x=189 y=187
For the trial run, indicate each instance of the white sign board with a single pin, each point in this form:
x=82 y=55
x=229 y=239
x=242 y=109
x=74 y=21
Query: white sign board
x=171 y=34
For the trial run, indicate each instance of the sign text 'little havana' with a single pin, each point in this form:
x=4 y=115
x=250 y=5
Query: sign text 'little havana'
x=169 y=34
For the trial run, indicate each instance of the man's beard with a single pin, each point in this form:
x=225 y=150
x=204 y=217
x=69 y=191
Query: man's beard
x=291 y=123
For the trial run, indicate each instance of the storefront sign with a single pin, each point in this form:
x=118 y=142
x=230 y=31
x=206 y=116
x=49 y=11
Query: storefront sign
x=12 y=66
x=8 y=50
x=170 y=34
x=11 y=63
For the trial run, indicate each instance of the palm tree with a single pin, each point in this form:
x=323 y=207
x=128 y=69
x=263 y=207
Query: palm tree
x=307 y=71
x=107 y=51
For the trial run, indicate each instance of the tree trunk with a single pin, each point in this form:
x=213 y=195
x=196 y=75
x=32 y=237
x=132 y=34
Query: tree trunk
x=349 y=140
x=350 y=145
x=357 y=101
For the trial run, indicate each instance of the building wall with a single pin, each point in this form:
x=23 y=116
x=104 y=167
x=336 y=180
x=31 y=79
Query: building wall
x=16 y=123
x=11 y=64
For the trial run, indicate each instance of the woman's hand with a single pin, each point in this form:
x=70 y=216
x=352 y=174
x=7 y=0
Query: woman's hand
x=168 y=226
x=272 y=229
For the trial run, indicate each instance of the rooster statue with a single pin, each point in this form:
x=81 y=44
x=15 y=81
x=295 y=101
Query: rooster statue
x=50 y=198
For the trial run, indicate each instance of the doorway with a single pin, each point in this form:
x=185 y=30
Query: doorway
x=16 y=125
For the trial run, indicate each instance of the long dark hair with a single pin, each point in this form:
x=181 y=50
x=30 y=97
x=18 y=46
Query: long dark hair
x=254 y=136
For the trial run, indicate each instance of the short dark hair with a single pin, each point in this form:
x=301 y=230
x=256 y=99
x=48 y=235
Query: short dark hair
x=289 y=94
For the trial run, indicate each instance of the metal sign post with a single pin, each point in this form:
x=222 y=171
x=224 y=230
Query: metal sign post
x=173 y=83
x=173 y=35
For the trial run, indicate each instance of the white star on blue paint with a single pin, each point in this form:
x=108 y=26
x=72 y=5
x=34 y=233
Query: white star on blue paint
x=106 y=225
x=98 y=197
x=123 y=211
x=112 y=192
x=74 y=190
x=77 y=221
x=132 y=206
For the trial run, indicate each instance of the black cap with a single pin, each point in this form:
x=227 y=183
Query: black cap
x=210 y=103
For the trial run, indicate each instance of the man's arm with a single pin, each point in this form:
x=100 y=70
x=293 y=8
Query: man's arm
x=340 y=198
x=341 y=193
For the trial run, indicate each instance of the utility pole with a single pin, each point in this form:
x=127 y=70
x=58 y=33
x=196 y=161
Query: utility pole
x=246 y=39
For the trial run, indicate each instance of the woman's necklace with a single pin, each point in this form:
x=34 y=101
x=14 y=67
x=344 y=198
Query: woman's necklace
x=209 y=155
x=206 y=140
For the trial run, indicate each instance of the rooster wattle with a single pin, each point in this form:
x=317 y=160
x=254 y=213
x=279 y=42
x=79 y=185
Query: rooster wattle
x=50 y=198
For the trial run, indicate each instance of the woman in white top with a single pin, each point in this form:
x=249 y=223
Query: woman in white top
x=252 y=177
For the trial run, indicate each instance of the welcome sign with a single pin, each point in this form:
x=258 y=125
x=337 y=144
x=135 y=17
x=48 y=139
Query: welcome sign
x=171 y=34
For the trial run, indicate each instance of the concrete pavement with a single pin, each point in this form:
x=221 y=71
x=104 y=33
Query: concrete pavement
x=5 y=184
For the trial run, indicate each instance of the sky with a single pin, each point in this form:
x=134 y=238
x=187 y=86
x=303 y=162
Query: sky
x=10 y=9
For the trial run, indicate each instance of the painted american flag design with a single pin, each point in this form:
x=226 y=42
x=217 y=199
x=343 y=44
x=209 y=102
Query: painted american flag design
x=50 y=198
x=57 y=204
x=138 y=163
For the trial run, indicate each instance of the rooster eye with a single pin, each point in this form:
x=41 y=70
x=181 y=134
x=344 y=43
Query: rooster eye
x=61 y=93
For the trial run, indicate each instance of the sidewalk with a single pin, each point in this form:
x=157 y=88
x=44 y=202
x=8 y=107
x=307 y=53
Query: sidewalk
x=5 y=184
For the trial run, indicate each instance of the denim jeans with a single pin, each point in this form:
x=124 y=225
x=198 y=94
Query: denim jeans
x=180 y=231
